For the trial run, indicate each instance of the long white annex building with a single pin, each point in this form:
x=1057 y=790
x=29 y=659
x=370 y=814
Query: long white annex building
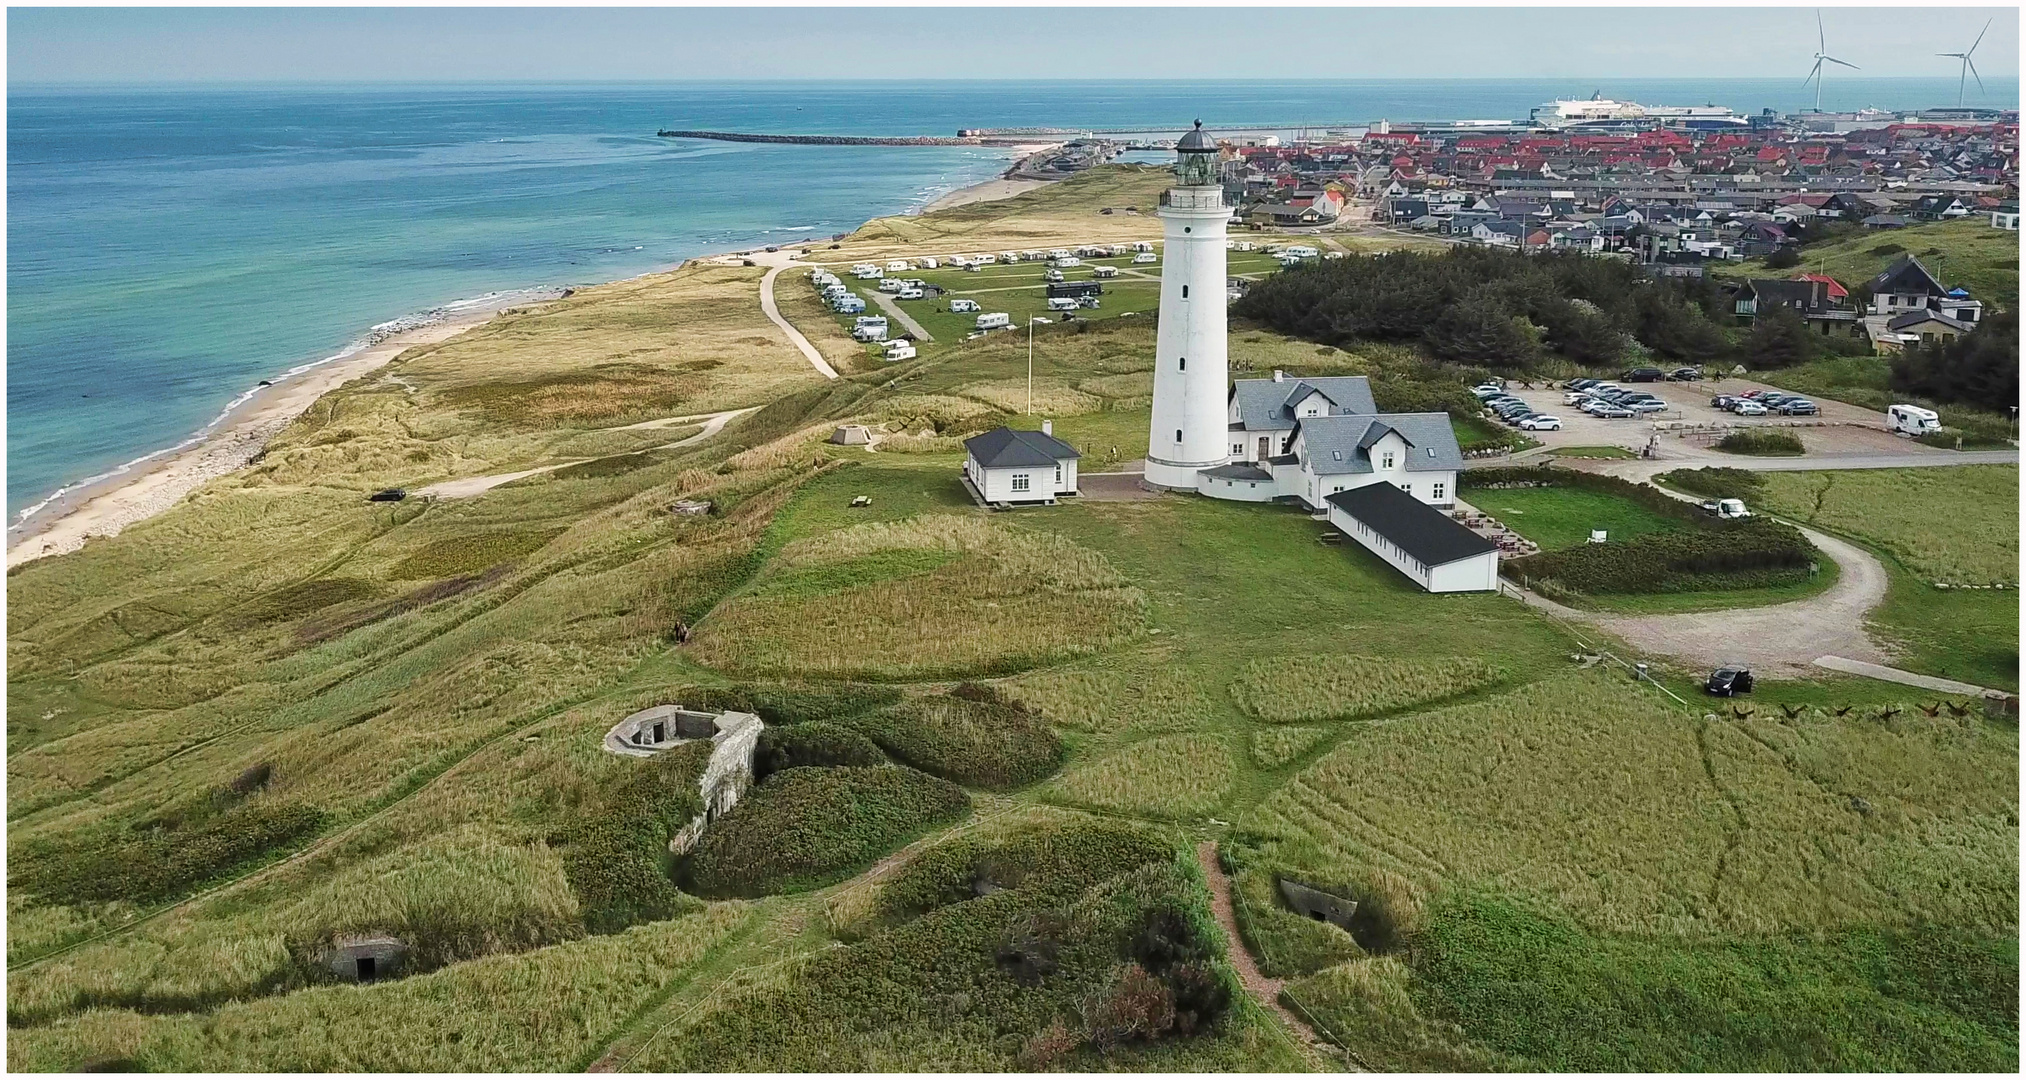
x=1307 y=441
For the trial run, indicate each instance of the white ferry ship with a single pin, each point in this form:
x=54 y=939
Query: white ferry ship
x=1602 y=112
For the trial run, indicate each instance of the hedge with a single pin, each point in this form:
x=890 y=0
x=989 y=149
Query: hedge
x=1750 y=554
x=1645 y=495
x=978 y=743
x=1715 y=482
x=808 y=827
x=1761 y=442
x=616 y=856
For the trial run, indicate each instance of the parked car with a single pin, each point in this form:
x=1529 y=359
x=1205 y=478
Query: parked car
x=1729 y=509
x=1798 y=407
x=1729 y=682
x=1484 y=388
x=1580 y=384
x=1644 y=374
x=1519 y=418
x=1684 y=374
x=1723 y=401
x=1749 y=408
x=1613 y=412
x=1540 y=422
x=1647 y=408
x=1575 y=397
x=387 y=495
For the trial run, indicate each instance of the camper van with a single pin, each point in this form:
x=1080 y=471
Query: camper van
x=1301 y=251
x=911 y=293
x=891 y=284
x=1062 y=303
x=871 y=332
x=1911 y=420
x=962 y=307
x=1009 y=256
x=849 y=305
x=865 y=270
x=900 y=350
x=870 y=320
x=994 y=320
x=1144 y=257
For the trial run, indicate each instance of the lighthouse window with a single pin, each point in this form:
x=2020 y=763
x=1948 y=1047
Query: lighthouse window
x=1183 y=361
x=1178 y=434
x=1185 y=228
x=1185 y=292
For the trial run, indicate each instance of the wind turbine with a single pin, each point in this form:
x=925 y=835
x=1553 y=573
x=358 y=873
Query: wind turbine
x=1822 y=56
x=1969 y=66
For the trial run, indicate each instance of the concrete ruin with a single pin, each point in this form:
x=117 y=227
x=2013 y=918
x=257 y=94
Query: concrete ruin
x=733 y=735
x=1317 y=904
x=852 y=435
x=366 y=957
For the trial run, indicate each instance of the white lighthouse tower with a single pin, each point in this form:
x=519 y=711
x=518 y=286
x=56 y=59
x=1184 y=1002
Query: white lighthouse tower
x=1190 y=368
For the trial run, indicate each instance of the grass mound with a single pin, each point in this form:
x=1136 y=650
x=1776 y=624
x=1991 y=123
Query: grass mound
x=1052 y=861
x=812 y=745
x=977 y=743
x=1303 y=689
x=1274 y=747
x=805 y=828
x=1050 y=397
x=615 y=856
x=1003 y=600
x=1175 y=776
x=451 y=556
x=1529 y=987
x=791 y=703
x=601 y=392
x=163 y=859
x=1761 y=443
x=1751 y=554
x=302 y=598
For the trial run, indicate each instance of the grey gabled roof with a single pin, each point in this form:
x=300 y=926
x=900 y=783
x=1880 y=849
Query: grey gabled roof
x=1004 y=448
x=1922 y=315
x=1906 y=275
x=1413 y=526
x=1266 y=405
x=1334 y=445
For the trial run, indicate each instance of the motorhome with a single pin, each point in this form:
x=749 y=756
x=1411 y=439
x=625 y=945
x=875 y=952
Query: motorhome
x=870 y=333
x=1009 y=256
x=1301 y=251
x=898 y=266
x=928 y=262
x=1062 y=303
x=1911 y=420
x=912 y=293
x=870 y=320
x=865 y=270
x=891 y=284
x=994 y=320
x=961 y=307
x=849 y=304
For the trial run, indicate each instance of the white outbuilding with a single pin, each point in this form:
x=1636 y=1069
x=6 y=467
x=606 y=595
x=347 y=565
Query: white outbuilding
x=1006 y=467
x=1415 y=538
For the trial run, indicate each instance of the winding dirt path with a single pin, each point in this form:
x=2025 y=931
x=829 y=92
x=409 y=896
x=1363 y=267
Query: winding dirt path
x=1263 y=990
x=777 y=262
x=474 y=485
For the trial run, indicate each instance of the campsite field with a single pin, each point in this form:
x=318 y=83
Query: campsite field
x=278 y=709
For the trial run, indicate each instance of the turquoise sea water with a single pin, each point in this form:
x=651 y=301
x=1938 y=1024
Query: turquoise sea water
x=167 y=249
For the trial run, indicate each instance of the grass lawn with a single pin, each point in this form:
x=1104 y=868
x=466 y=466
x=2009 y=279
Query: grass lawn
x=1967 y=253
x=1593 y=452
x=1561 y=517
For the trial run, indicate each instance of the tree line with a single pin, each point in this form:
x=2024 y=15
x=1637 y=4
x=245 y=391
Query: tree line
x=1980 y=368
x=1498 y=309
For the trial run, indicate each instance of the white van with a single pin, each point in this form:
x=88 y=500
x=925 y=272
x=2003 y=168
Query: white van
x=962 y=307
x=1062 y=303
x=1911 y=420
x=1009 y=256
x=904 y=351
x=994 y=320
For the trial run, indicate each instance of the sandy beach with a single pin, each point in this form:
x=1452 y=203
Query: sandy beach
x=988 y=191
x=153 y=486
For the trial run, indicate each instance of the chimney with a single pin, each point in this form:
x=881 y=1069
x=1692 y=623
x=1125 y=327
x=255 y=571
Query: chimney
x=1279 y=375
x=1048 y=427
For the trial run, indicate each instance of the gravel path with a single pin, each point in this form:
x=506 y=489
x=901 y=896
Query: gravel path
x=474 y=485
x=778 y=261
x=1263 y=990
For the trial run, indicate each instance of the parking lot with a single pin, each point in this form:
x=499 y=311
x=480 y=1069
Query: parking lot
x=1840 y=428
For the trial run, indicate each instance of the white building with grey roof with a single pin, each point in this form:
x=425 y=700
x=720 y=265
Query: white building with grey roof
x=1006 y=466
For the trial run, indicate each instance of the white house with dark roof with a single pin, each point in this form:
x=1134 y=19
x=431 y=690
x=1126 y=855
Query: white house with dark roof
x=1417 y=539
x=1005 y=466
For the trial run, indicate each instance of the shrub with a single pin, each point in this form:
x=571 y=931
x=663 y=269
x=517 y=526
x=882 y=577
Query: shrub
x=976 y=743
x=1760 y=442
x=1299 y=689
x=616 y=856
x=789 y=703
x=1715 y=482
x=805 y=828
x=816 y=743
x=159 y=861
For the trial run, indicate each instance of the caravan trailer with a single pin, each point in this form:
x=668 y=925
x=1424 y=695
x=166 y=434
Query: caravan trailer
x=928 y=262
x=1911 y=420
x=1144 y=258
x=994 y=320
x=898 y=266
x=963 y=307
x=1062 y=303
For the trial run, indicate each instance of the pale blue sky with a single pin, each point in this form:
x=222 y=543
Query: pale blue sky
x=519 y=44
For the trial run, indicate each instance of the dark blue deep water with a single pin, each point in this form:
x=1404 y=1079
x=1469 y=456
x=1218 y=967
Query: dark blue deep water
x=169 y=248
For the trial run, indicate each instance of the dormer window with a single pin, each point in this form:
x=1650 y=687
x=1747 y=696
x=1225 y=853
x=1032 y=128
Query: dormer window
x=1386 y=460
x=1431 y=451
x=1337 y=455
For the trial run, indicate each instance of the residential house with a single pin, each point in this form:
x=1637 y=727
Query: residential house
x=1415 y=538
x=1005 y=466
x=1811 y=297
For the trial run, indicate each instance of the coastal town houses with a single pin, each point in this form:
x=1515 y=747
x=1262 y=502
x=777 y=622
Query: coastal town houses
x=1819 y=300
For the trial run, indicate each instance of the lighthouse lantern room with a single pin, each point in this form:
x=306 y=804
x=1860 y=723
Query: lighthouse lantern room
x=1191 y=370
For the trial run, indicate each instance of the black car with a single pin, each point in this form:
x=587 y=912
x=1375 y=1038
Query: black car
x=1724 y=402
x=1580 y=384
x=1798 y=407
x=1684 y=374
x=1729 y=681
x=387 y=495
x=1644 y=374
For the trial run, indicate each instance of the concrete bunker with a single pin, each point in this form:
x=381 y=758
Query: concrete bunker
x=367 y=957
x=1316 y=904
x=852 y=435
x=733 y=735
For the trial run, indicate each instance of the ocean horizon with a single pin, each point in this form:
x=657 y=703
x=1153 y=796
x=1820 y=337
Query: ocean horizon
x=170 y=247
